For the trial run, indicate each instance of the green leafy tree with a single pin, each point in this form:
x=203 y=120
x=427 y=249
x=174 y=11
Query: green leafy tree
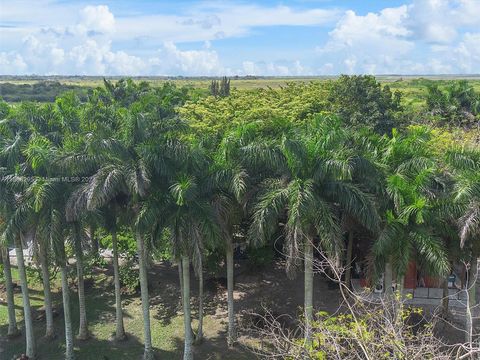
x=361 y=100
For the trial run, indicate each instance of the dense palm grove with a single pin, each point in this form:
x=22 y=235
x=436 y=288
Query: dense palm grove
x=190 y=175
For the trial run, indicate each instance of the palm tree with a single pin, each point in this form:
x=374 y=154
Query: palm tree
x=42 y=204
x=413 y=185
x=111 y=225
x=123 y=151
x=190 y=223
x=226 y=214
x=187 y=214
x=62 y=262
x=465 y=167
x=121 y=177
x=15 y=218
x=228 y=202
x=45 y=201
x=315 y=179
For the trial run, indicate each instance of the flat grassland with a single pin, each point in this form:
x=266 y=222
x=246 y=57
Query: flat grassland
x=413 y=88
x=248 y=82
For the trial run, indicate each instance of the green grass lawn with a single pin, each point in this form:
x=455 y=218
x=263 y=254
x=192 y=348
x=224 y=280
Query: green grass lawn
x=166 y=321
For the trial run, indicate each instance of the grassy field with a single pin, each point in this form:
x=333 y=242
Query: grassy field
x=413 y=88
x=255 y=290
x=166 y=320
x=397 y=81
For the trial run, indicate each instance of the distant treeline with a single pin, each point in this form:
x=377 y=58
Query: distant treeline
x=43 y=91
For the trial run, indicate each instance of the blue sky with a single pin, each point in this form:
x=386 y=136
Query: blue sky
x=283 y=38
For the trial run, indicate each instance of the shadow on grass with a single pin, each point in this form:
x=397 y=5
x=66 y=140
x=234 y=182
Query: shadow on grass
x=216 y=349
x=91 y=349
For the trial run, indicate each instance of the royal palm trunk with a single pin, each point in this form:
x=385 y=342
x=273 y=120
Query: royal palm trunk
x=308 y=306
x=148 y=350
x=119 y=330
x=83 y=327
x=12 y=321
x=27 y=312
x=69 y=355
x=231 y=337
x=49 y=331
x=200 y=303
x=471 y=299
x=187 y=353
x=180 y=278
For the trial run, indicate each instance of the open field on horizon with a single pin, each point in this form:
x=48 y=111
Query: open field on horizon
x=237 y=82
x=412 y=87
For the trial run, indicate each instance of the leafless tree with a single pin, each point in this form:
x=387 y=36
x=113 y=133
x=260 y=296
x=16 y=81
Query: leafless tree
x=365 y=326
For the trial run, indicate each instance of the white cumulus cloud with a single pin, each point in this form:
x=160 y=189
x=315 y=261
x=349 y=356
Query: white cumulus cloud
x=425 y=36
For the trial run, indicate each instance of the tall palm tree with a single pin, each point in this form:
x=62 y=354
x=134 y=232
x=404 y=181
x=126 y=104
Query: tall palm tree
x=58 y=221
x=190 y=224
x=226 y=214
x=13 y=211
x=42 y=204
x=125 y=149
x=45 y=201
x=111 y=225
x=464 y=164
x=229 y=190
x=188 y=215
x=412 y=186
x=315 y=180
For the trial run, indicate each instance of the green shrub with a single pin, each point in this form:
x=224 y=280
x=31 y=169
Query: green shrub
x=126 y=243
x=129 y=277
x=34 y=274
x=93 y=261
x=162 y=246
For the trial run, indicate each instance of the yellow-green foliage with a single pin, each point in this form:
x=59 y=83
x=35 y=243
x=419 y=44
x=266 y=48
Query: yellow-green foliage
x=294 y=102
x=346 y=334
